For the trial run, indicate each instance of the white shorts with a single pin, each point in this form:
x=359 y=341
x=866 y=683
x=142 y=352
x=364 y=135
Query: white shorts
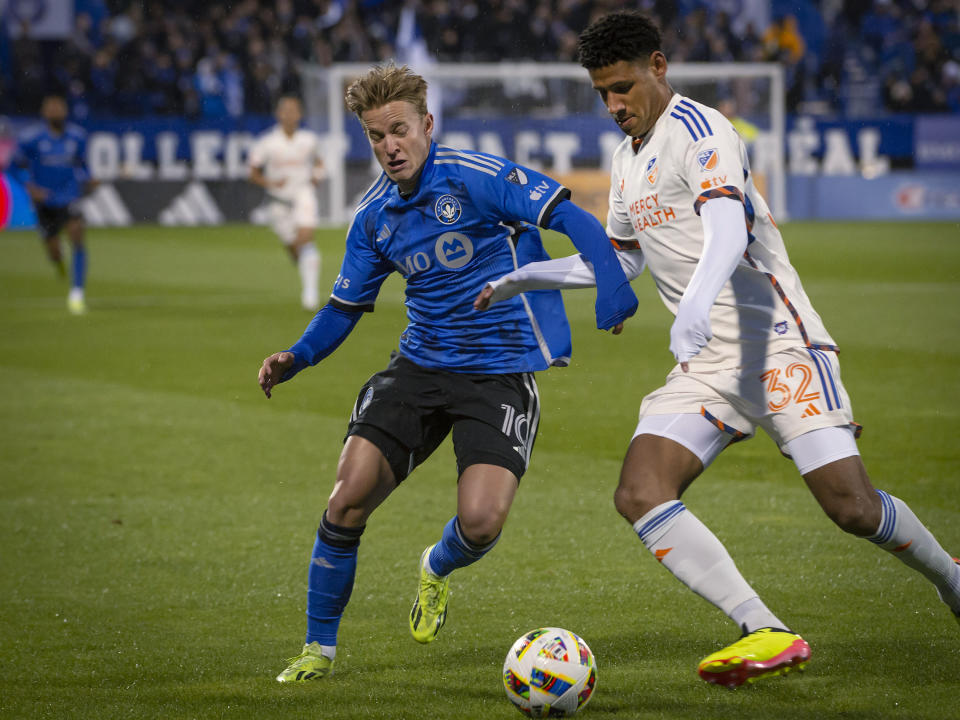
x=288 y=216
x=789 y=395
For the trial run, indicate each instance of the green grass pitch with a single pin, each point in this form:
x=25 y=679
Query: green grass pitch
x=157 y=512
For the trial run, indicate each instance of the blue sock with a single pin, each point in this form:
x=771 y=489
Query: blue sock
x=330 y=580
x=455 y=551
x=79 y=267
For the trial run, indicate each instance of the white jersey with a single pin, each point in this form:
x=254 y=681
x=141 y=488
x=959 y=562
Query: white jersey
x=290 y=158
x=657 y=186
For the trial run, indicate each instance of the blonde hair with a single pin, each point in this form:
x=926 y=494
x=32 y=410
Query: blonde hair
x=385 y=84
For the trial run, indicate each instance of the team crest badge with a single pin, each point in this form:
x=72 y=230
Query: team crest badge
x=447 y=209
x=365 y=402
x=517 y=177
x=708 y=159
x=652 y=170
x=780 y=328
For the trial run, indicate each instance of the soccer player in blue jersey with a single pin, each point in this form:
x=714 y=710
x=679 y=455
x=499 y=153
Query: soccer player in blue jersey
x=449 y=221
x=51 y=161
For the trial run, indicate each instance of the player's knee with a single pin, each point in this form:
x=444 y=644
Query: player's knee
x=348 y=504
x=481 y=528
x=855 y=515
x=634 y=498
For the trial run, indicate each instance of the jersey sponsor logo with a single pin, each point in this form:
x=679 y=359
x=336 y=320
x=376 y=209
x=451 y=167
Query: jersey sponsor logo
x=714 y=182
x=539 y=190
x=647 y=212
x=447 y=209
x=412 y=264
x=651 y=170
x=708 y=159
x=453 y=250
x=517 y=176
x=780 y=328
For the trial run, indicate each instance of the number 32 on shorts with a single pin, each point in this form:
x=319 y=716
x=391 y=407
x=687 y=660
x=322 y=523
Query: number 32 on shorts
x=798 y=375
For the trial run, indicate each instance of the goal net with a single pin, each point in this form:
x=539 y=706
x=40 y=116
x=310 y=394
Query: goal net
x=545 y=116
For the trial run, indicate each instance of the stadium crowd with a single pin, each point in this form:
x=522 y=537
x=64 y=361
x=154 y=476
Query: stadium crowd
x=217 y=59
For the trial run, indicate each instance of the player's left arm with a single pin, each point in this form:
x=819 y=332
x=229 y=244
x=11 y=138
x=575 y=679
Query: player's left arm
x=712 y=165
x=87 y=182
x=318 y=171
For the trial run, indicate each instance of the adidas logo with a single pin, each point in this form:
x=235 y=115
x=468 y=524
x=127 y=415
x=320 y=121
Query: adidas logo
x=810 y=411
x=323 y=562
x=103 y=208
x=194 y=206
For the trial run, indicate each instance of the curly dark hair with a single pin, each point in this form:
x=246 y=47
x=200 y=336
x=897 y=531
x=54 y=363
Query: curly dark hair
x=618 y=36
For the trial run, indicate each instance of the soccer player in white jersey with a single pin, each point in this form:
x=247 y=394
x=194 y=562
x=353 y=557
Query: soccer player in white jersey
x=751 y=350
x=286 y=162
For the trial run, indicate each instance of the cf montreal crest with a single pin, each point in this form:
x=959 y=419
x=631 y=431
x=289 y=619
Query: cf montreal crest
x=447 y=209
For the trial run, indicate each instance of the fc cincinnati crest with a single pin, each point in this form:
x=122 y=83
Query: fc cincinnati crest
x=447 y=209
x=652 y=170
x=708 y=159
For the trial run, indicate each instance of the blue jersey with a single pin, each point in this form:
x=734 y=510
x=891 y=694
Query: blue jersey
x=465 y=225
x=56 y=163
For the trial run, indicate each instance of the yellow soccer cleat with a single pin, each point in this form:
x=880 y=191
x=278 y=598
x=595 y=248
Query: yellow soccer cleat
x=308 y=665
x=76 y=304
x=429 y=610
x=763 y=653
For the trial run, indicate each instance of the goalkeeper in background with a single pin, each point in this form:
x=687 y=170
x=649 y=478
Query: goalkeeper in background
x=751 y=350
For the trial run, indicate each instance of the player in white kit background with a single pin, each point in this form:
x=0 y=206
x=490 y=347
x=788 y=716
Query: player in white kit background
x=286 y=162
x=751 y=350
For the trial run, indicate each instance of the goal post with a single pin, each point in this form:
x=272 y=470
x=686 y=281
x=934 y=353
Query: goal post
x=544 y=115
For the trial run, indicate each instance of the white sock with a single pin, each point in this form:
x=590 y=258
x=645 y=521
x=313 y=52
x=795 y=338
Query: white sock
x=329 y=651
x=308 y=263
x=906 y=538
x=687 y=548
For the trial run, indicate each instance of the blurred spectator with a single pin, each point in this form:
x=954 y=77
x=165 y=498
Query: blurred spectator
x=174 y=57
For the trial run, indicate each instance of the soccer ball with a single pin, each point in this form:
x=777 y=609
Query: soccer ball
x=549 y=672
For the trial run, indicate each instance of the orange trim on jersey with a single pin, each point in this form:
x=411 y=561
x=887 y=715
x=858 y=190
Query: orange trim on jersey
x=790 y=307
x=625 y=244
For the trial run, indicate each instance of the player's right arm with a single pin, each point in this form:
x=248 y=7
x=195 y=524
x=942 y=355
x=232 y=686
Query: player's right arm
x=566 y=273
x=354 y=293
x=23 y=159
x=257 y=163
x=574 y=271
